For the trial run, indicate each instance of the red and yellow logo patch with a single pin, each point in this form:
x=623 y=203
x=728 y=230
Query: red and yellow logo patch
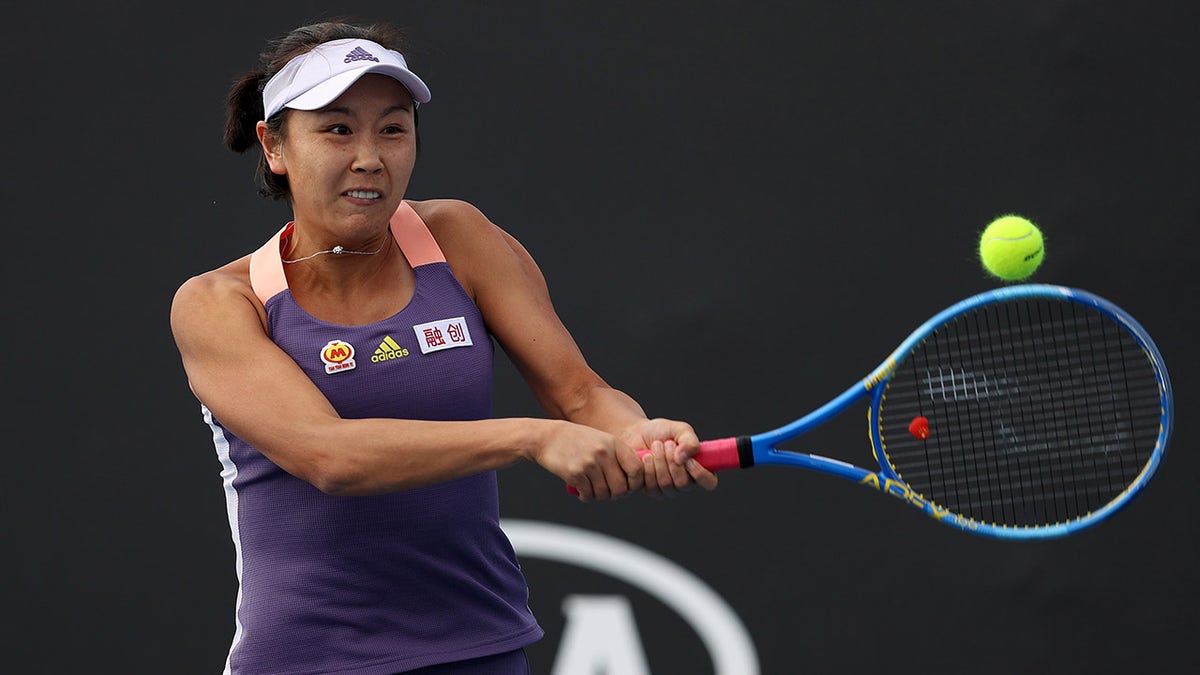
x=338 y=356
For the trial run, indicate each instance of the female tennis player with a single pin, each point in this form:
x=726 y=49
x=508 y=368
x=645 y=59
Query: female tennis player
x=345 y=369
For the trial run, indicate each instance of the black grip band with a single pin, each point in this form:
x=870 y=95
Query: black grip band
x=745 y=452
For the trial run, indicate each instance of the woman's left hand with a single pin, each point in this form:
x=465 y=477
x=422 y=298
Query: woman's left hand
x=668 y=448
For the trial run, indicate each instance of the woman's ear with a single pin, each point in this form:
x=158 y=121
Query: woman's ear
x=272 y=146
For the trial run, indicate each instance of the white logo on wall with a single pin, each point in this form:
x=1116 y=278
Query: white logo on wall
x=611 y=616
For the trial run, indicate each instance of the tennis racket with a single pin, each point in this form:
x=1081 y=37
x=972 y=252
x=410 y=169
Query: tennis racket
x=1029 y=411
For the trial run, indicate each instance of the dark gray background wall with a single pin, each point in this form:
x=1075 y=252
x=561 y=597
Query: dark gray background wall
x=683 y=172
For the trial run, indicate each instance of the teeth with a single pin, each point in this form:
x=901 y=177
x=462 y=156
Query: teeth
x=363 y=194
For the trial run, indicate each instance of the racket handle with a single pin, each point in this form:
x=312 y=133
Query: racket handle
x=721 y=454
x=716 y=455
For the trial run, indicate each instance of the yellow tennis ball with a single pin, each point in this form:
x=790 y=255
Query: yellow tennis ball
x=1011 y=248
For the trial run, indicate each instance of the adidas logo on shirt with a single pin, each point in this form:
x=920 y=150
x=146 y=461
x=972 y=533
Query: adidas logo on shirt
x=359 y=54
x=388 y=349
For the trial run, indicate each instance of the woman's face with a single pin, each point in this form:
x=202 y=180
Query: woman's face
x=348 y=164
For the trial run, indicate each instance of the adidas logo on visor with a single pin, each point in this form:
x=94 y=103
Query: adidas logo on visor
x=359 y=54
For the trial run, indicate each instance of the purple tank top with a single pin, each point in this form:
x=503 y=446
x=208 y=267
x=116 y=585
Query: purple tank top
x=379 y=584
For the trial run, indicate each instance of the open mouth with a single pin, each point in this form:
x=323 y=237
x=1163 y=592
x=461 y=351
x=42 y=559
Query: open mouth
x=363 y=194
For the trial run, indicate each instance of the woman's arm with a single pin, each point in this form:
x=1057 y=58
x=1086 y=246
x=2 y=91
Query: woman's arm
x=512 y=295
x=259 y=393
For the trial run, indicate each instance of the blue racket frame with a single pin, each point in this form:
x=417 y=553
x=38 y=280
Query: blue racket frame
x=764 y=446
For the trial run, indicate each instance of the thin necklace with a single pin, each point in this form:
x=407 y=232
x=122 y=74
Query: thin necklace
x=337 y=250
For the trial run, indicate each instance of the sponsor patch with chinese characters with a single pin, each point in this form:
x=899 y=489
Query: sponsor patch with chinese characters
x=443 y=334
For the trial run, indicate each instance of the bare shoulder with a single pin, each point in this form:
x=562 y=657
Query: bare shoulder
x=451 y=219
x=216 y=292
x=232 y=278
x=475 y=247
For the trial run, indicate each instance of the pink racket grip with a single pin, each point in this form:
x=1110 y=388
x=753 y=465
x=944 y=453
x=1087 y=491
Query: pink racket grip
x=717 y=455
x=720 y=454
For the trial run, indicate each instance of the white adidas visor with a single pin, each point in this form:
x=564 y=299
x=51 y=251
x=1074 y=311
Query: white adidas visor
x=314 y=79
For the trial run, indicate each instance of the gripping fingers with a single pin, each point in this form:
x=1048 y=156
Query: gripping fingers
x=679 y=473
x=608 y=479
x=603 y=482
x=664 y=474
x=633 y=476
x=655 y=463
x=581 y=489
x=703 y=477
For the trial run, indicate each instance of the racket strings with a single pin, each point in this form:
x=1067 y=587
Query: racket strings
x=1040 y=411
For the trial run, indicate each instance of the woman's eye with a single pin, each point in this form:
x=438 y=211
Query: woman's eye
x=339 y=129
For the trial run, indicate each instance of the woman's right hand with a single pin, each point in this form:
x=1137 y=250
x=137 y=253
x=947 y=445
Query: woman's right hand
x=597 y=464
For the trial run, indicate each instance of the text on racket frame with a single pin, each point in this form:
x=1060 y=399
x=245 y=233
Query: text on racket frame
x=902 y=491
